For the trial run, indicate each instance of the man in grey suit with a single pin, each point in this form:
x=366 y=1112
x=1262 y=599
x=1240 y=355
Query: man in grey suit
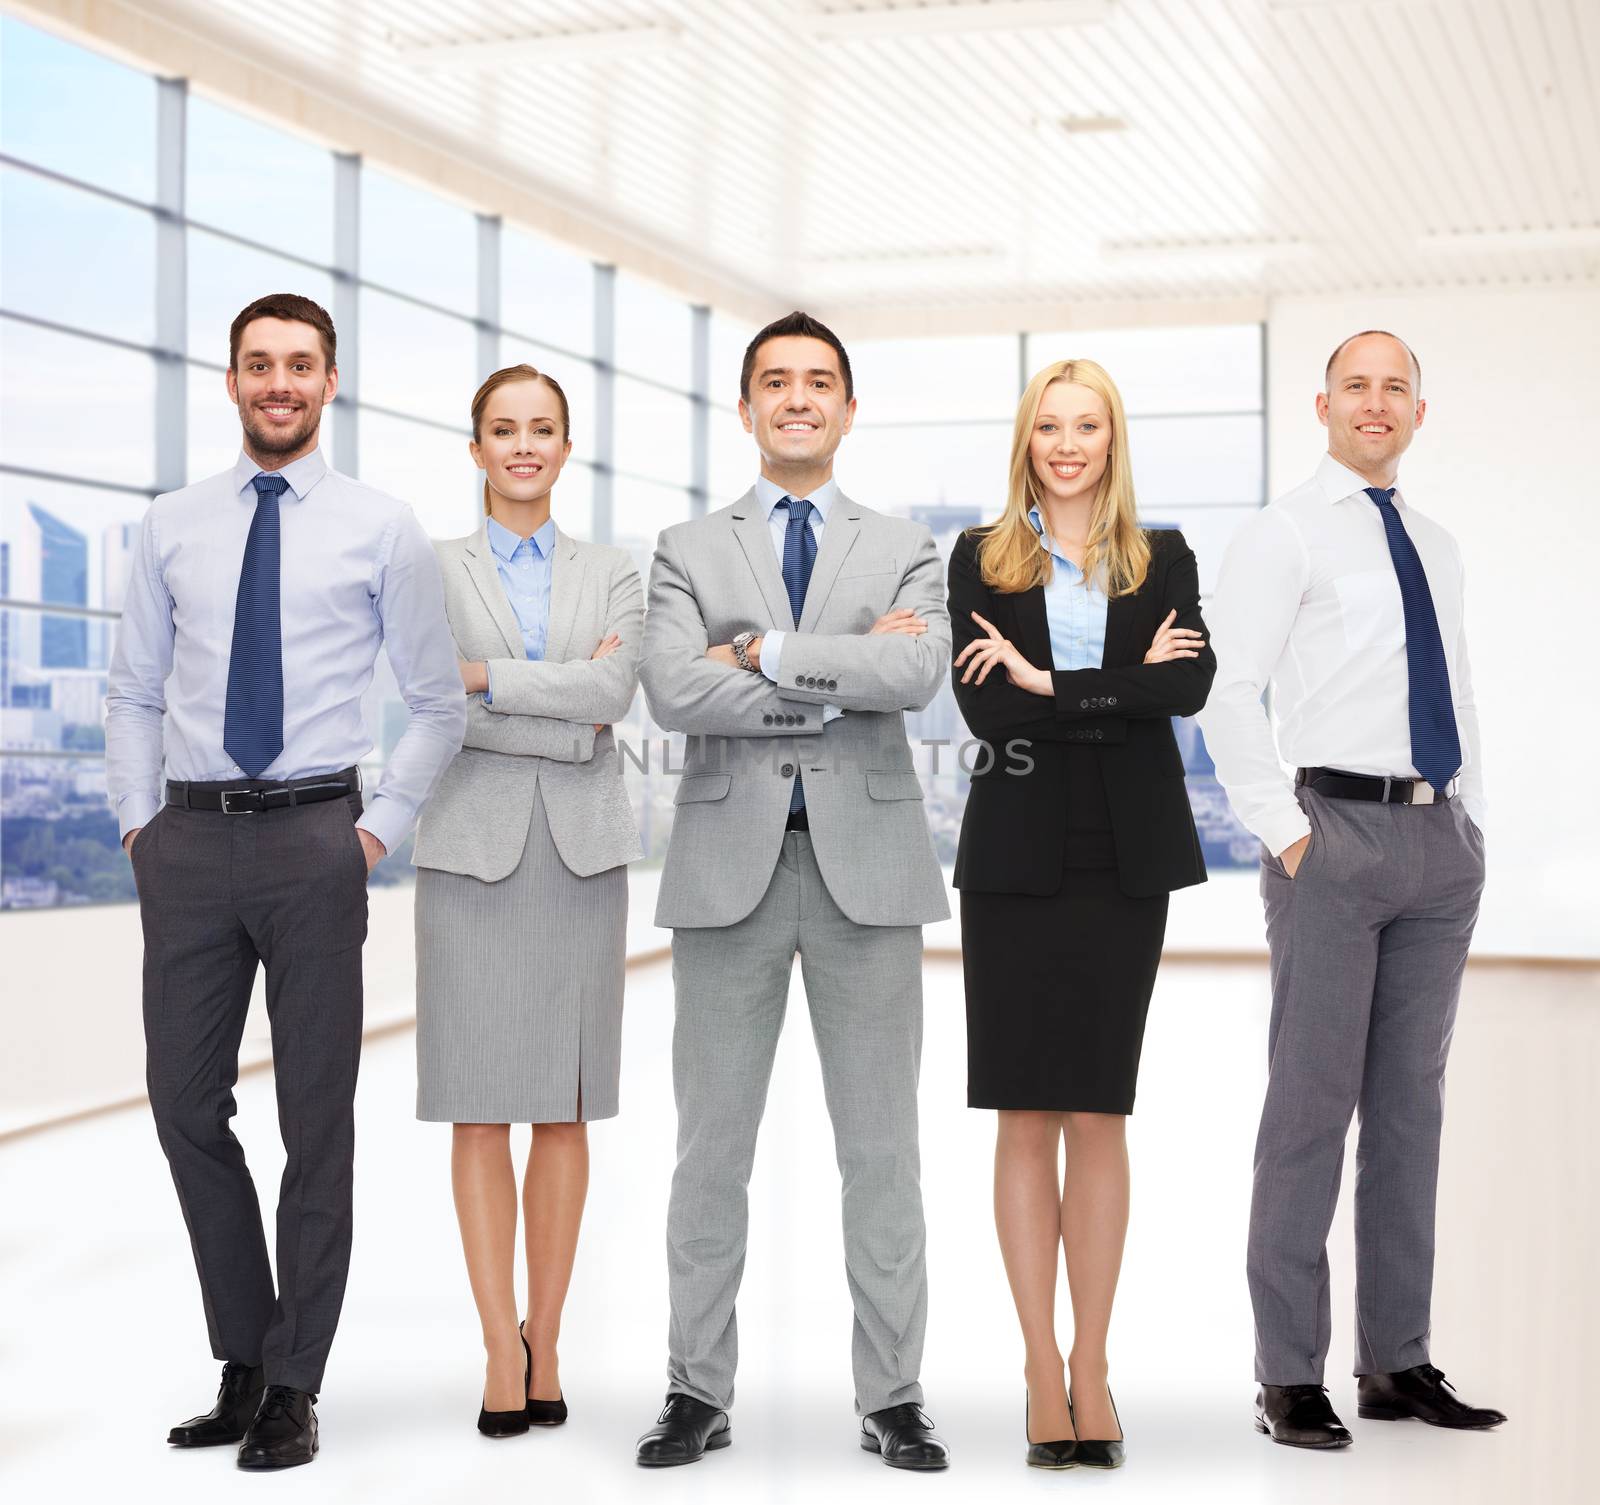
x=787 y=635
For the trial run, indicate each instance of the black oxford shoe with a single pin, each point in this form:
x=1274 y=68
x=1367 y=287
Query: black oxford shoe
x=284 y=1433
x=237 y=1402
x=685 y=1432
x=1424 y=1393
x=1299 y=1416
x=904 y=1438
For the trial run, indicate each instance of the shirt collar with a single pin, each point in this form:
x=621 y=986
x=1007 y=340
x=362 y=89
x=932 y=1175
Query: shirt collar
x=770 y=493
x=302 y=474
x=1339 y=483
x=1050 y=543
x=505 y=543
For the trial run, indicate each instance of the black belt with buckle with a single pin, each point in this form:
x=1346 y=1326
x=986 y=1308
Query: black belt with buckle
x=1339 y=785
x=798 y=820
x=261 y=797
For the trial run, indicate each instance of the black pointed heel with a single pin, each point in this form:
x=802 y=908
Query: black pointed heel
x=542 y=1413
x=509 y=1423
x=1056 y=1455
x=1098 y=1454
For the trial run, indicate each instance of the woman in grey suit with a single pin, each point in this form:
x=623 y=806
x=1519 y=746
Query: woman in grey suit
x=522 y=892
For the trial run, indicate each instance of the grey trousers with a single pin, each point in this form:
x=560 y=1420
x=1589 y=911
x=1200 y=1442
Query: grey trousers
x=220 y=895
x=864 y=987
x=1368 y=943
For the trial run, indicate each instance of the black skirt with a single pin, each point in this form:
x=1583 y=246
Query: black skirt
x=1058 y=985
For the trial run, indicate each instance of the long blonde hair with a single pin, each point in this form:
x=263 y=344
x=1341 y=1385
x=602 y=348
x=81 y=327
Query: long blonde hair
x=1118 y=554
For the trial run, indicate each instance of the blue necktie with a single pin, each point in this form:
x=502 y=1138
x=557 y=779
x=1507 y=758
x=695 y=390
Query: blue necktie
x=799 y=554
x=1435 y=742
x=252 y=727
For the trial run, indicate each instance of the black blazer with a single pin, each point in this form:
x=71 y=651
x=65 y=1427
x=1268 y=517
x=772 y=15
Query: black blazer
x=1014 y=829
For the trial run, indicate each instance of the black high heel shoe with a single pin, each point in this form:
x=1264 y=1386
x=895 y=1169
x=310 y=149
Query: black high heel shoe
x=543 y=1413
x=1056 y=1455
x=1098 y=1454
x=509 y=1423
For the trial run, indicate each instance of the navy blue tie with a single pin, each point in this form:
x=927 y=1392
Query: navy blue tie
x=252 y=727
x=1435 y=742
x=799 y=554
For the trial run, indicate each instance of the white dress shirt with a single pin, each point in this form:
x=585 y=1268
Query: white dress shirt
x=357 y=573
x=1308 y=604
x=769 y=494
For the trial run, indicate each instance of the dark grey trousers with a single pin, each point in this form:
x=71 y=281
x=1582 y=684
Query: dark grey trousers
x=1368 y=943
x=218 y=895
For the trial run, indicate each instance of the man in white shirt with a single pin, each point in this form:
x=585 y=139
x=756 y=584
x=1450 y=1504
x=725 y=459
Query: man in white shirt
x=1346 y=603
x=258 y=601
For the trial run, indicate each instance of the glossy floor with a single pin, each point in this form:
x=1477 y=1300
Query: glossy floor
x=102 y=1320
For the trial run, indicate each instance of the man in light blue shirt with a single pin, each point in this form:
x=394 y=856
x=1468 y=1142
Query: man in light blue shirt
x=256 y=608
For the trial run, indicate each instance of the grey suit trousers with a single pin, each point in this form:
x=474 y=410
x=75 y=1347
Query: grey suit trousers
x=1368 y=944
x=220 y=895
x=864 y=987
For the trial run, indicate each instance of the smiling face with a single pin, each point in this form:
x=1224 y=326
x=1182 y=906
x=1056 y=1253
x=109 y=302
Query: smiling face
x=1071 y=443
x=521 y=444
x=1371 y=407
x=796 y=406
x=281 y=382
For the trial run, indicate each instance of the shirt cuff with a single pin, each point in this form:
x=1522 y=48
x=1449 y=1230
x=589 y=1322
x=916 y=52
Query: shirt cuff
x=385 y=819
x=831 y=713
x=771 y=651
x=1282 y=831
x=135 y=811
x=488 y=693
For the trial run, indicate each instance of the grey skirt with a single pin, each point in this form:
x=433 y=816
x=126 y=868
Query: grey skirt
x=519 y=990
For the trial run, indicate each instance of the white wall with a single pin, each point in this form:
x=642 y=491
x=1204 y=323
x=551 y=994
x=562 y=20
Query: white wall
x=1507 y=461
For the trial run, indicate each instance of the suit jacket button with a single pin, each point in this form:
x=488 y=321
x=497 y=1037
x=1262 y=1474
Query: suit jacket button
x=1098 y=734
x=801 y=720
x=800 y=681
x=1112 y=701
x=766 y=719
x=833 y=684
x=1083 y=705
x=787 y=771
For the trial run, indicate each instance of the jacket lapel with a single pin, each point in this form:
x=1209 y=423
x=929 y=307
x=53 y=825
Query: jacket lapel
x=566 y=585
x=839 y=536
x=750 y=528
x=481 y=567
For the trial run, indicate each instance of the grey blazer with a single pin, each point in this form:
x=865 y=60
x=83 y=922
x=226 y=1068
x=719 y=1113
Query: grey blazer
x=540 y=729
x=718 y=575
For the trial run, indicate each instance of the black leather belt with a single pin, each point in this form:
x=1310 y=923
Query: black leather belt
x=797 y=821
x=1339 y=785
x=260 y=797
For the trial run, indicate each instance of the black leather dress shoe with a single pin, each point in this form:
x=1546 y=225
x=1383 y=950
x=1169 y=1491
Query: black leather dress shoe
x=284 y=1433
x=510 y=1423
x=1056 y=1455
x=1422 y=1392
x=1095 y=1452
x=237 y=1402
x=1299 y=1416
x=904 y=1437
x=685 y=1432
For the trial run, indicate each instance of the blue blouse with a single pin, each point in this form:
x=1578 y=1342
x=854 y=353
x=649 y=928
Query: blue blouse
x=1076 y=610
x=524 y=566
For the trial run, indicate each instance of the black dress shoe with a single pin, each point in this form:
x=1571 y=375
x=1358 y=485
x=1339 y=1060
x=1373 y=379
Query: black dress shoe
x=1299 y=1416
x=904 y=1437
x=1057 y=1455
x=284 y=1433
x=237 y=1402
x=1097 y=1452
x=686 y=1431
x=1422 y=1392
x=509 y=1423
x=543 y=1413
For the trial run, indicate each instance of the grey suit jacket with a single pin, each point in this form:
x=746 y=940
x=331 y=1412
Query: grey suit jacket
x=718 y=575
x=540 y=729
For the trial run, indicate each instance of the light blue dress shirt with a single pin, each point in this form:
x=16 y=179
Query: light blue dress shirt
x=1076 y=610
x=769 y=494
x=358 y=574
x=524 y=566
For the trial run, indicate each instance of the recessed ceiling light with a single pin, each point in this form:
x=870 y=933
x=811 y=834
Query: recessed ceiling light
x=1078 y=125
x=1524 y=238
x=889 y=18
x=607 y=45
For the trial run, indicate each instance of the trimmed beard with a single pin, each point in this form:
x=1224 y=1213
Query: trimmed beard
x=279 y=441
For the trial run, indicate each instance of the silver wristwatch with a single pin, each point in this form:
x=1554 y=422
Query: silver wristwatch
x=741 y=641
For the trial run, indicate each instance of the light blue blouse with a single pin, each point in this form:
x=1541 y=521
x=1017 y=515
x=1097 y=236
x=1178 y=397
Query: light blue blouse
x=1076 y=610
x=524 y=566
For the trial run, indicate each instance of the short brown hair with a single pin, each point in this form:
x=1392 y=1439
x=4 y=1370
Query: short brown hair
x=796 y=323
x=1416 y=365
x=291 y=306
x=501 y=378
